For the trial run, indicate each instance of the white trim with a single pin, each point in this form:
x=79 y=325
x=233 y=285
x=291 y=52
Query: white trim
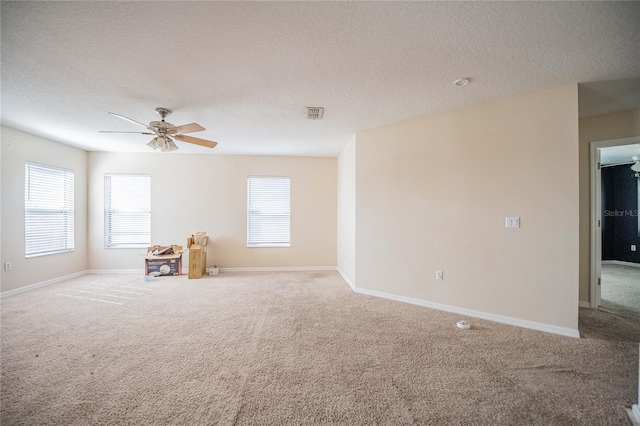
x=279 y=269
x=634 y=415
x=269 y=245
x=621 y=262
x=569 y=332
x=594 y=185
x=584 y=304
x=115 y=271
x=344 y=277
x=41 y=284
x=595 y=194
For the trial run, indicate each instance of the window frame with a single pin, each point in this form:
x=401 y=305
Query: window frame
x=109 y=213
x=254 y=244
x=67 y=210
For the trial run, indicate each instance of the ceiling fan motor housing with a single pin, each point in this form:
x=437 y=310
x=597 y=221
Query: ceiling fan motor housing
x=163 y=112
x=161 y=125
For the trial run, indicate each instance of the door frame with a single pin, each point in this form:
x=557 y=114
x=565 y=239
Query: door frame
x=596 y=211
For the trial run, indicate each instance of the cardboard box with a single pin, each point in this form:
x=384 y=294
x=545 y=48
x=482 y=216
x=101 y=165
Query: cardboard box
x=195 y=261
x=200 y=238
x=166 y=264
x=197 y=245
x=176 y=249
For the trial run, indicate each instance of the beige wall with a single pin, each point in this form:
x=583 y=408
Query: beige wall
x=433 y=193
x=192 y=193
x=605 y=127
x=17 y=148
x=347 y=212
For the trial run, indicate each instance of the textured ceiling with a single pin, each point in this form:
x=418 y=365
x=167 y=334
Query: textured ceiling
x=246 y=70
x=605 y=97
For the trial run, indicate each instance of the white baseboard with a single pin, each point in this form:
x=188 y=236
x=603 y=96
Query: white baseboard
x=620 y=262
x=584 y=304
x=344 y=277
x=41 y=284
x=279 y=269
x=634 y=415
x=569 y=332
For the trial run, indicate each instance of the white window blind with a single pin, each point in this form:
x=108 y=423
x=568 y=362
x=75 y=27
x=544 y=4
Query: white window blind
x=127 y=210
x=48 y=209
x=268 y=211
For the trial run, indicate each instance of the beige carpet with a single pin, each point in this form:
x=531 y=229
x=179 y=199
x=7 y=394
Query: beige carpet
x=620 y=292
x=291 y=348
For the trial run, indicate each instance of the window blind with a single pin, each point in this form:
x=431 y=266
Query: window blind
x=268 y=211
x=48 y=209
x=127 y=210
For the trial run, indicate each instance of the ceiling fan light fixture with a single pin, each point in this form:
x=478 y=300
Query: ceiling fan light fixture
x=152 y=144
x=163 y=144
x=171 y=146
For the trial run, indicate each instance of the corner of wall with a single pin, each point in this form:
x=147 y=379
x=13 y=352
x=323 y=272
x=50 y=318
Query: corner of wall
x=17 y=148
x=346 y=206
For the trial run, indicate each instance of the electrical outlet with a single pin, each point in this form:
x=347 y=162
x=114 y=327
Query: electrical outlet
x=633 y=247
x=7 y=266
x=439 y=275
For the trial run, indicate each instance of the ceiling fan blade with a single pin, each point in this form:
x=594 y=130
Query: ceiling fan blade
x=197 y=141
x=116 y=131
x=130 y=120
x=187 y=128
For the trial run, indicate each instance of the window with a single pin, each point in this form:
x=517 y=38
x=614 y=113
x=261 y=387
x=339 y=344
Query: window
x=48 y=209
x=127 y=210
x=268 y=211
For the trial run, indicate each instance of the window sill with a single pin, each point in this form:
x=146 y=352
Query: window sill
x=28 y=256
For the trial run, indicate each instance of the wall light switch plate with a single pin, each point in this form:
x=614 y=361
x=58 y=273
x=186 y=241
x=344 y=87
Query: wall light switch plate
x=7 y=266
x=633 y=247
x=512 y=222
x=439 y=275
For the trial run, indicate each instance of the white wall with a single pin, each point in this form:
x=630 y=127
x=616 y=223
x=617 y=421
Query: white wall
x=433 y=193
x=191 y=192
x=347 y=212
x=17 y=148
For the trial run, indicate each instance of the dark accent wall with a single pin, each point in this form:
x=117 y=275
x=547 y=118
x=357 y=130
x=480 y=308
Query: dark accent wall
x=620 y=214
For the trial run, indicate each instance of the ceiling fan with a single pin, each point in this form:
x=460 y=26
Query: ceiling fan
x=165 y=132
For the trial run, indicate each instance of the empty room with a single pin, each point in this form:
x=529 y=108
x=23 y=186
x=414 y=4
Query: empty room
x=356 y=213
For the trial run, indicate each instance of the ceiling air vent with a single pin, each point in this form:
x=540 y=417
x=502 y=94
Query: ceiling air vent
x=315 y=113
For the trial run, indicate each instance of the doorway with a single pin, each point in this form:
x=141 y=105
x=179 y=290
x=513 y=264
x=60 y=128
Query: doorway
x=615 y=228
